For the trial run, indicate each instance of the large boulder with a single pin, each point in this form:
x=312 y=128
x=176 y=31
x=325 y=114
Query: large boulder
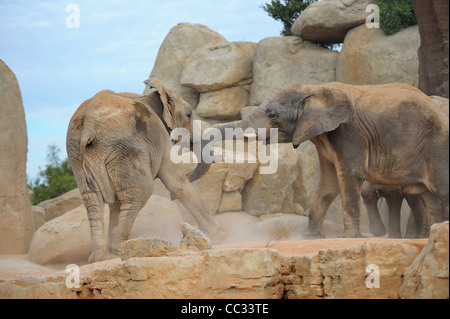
x=60 y=205
x=63 y=239
x=217 y=66
x=328 y=21
x=369 y=56
x=15 y=207
x=182 y=40
x=224 y=104
x=272 y=193
x=287 y=60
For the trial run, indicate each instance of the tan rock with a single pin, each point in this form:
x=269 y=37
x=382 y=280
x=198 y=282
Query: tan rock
x=346 y=272
x=15 y=207
x=39 y=217
x=144 y=247
x=60 y=205
x=63 y=239
x=266 y=193
x=182 y=41
x=230 y=202
x=224 y=104
x=193 y=237
x=368 y=56
x=328 y=21
x=209 y=187
x=218 y=66
x=288 y=60
x=428 y=276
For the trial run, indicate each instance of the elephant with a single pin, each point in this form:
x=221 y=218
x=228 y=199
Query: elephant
x=419 y=204
x=117 y=144
x=387 y=134
x=394 y=198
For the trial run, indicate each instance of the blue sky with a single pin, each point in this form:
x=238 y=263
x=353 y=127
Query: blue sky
x=114 y=48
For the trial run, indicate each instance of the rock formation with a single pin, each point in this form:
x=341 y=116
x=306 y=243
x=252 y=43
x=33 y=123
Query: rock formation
x=328 y=21
x=387 y=268
x=178 y=45
x=368 y=56
x=15 y=208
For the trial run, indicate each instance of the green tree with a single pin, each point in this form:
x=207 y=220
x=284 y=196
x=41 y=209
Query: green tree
x=287 y=13
x=396 y=15
x=56 y=179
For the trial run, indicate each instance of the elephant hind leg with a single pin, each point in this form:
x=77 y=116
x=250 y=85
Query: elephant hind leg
x=394 y=202
x=370 y=198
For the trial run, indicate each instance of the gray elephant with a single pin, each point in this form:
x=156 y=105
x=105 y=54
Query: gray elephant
x=390 y=134
x=117 y=145
x=423 y=206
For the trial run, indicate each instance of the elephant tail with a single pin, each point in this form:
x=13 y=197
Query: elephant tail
x=96 y=175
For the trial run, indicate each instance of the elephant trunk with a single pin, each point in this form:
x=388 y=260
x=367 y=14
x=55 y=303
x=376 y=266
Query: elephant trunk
x=203 y=166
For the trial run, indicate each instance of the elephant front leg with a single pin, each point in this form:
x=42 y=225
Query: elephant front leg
x=350 y=187
x=180 y=187
x=327 y=191
x=370 y=198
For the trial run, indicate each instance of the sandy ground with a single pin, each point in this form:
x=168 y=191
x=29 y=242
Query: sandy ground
x=14 y=266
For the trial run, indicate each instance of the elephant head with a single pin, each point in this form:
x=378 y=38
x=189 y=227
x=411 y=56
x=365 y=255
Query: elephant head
x=176 y=113
x=297 y=112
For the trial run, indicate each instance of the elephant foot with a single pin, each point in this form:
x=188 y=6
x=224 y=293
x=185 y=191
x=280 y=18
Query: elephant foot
x=378 y=231
x=313 y=233
x=423 y=233
x=395 y=235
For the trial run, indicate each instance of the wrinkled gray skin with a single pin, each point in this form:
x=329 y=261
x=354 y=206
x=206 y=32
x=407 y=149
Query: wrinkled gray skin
x=117 y=145
x=423 y=206
x=390 y=134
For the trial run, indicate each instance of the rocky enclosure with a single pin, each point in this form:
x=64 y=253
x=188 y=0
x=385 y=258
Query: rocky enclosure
x=382 y=268
x=262 y=214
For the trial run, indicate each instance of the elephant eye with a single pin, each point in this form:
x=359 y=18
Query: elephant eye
x=273 y=116
x=189 y=115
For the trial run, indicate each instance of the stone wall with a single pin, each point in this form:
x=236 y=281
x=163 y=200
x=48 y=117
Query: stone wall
x=403 y=270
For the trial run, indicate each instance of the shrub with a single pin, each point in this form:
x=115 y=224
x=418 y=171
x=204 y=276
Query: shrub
x=56 y=179
x=396 y=15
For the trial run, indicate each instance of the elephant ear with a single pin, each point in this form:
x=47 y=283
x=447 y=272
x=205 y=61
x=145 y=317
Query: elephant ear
x=319 y=113
x=167 y=113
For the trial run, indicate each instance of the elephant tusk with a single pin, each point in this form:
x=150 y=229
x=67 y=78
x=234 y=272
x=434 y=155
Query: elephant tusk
x=250 y=135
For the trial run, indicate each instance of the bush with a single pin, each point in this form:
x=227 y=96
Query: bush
x=396 y=15
x=56 y=179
